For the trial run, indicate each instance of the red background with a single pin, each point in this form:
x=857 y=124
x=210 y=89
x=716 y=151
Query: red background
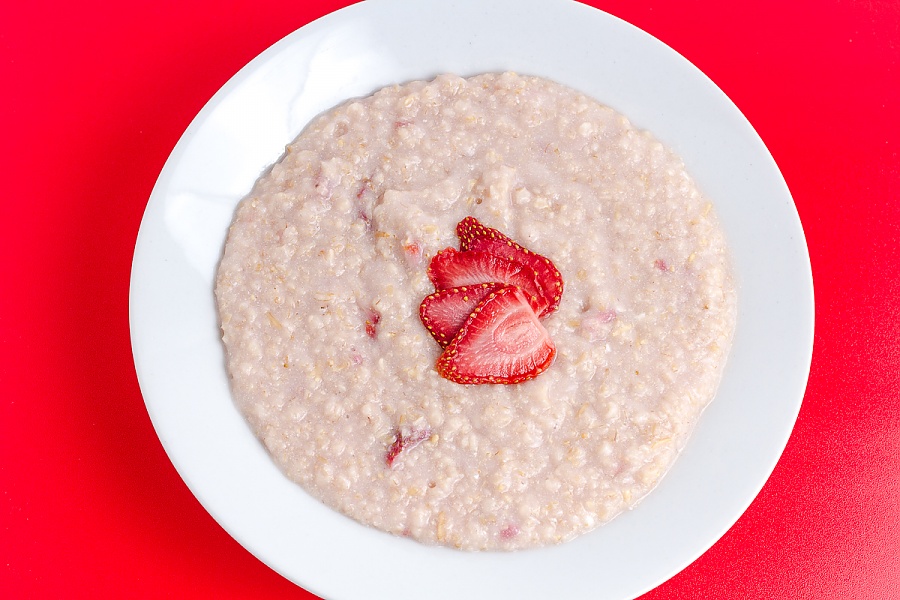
x=94 y=96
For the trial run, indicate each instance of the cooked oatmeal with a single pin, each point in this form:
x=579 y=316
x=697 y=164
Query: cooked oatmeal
x=325 y=267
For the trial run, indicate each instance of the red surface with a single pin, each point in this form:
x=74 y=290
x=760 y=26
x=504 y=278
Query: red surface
x=91 y=507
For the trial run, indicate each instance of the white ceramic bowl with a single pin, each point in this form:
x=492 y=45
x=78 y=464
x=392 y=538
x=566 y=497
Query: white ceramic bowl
x=353 y=52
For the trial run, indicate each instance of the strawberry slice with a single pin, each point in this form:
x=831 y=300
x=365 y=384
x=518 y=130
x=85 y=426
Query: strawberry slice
x=470 y=229
x=452 y=269
x=444 y=312
x=502 y=341
x=475 y=237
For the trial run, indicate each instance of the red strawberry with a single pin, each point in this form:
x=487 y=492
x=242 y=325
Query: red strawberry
x=373 y=317
x=475 y=237
x=405 y=442
x=470 y=229
x=452 y=269
x=444 y=312
x=502 y=341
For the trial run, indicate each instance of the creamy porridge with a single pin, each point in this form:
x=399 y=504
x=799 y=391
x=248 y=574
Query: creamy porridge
x=326 y=265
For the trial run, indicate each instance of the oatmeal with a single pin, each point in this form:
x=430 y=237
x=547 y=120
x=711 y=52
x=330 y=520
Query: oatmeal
x=327 y=262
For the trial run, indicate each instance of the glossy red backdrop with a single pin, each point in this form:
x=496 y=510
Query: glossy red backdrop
x=95 y=95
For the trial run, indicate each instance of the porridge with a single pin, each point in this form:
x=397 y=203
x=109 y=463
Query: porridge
x=329 y=263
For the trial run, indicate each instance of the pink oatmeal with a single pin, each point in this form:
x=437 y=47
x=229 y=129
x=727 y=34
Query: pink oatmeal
x=325 y=266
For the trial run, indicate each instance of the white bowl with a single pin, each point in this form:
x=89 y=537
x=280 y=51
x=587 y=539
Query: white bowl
x=244 y=128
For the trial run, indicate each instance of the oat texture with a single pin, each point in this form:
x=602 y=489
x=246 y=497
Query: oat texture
x=325 y=266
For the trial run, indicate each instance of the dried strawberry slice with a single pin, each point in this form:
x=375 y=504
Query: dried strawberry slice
x=502 y=341
x=475 y=237
x=444 y=312
x=452 y=269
